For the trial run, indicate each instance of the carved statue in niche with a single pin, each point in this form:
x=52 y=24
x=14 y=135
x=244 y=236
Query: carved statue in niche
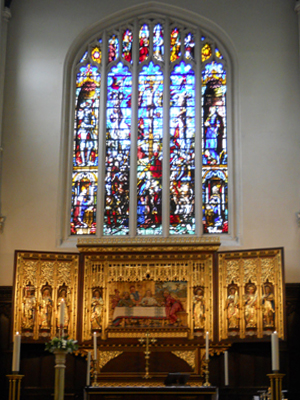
x=199 y=308
x=232 y=306
x=96 y=309
x=250 y=302
x=29 y=309
x=63 y=296
x=268 y=306
x=45 y=308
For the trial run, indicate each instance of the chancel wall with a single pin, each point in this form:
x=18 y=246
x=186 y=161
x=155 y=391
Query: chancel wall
x=264 y=36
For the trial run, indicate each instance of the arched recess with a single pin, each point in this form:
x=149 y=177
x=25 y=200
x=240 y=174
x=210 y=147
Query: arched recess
x=225 y=48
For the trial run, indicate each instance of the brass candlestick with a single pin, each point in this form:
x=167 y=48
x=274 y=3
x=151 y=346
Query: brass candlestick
x=206 y=373
x=95 y=364
x=276 y=385
x=14 y=386
x=147 y=353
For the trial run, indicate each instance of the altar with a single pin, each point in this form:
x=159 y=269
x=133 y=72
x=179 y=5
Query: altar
x=152 y=393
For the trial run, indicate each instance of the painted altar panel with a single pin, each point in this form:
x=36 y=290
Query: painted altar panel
x=132 y=289
x=251 y=294
x=42 y=280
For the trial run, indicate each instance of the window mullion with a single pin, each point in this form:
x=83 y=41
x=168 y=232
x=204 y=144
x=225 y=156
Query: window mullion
x=198 y=138
x=102 y=137
x=166 y=133
x=134 y=124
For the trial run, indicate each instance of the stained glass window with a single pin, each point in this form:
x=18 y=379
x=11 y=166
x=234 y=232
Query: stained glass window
x=156 y=133
x=117 y=157
x=113 y=48
x=175 y=45
x=182 y=150
x=127 y=45
x=214 y=149
x=189 y=46
x=158 y=42
x=85 y=152
x=144 y=42
x=149 y=157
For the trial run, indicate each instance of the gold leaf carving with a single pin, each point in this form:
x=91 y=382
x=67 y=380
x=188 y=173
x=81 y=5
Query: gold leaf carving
x=187 y=356
x=267 y=269
x=47 y=272
x=64 y=273
x=105 y=356
x=232 y=271
x=250 y=270
x=30 y=272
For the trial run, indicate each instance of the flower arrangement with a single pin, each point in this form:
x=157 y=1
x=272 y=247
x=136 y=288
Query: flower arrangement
x=63 y=343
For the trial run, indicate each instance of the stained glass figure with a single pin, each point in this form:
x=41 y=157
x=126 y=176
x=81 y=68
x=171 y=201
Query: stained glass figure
x=214 y=149
x=144 y=36
x=206 y=52
x=218 y=53
x=113 y=48
x=175 y=45
x=127 y=45
x=85 y=151
x=189 y=46
x=149 y=151
x=117 y=161
x=96 y=54
x=158 y=42
x=84 y=200
x=182 y=148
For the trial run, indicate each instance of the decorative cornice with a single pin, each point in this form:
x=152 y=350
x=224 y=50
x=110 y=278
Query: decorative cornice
x=153 y=244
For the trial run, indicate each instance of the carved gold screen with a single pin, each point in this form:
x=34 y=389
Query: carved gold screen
x=164 y=289
x=41 y=281
x=251 y=294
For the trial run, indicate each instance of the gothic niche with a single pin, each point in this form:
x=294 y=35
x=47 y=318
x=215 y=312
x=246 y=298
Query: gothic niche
x=97 y=304
x=199 y=308
x=45 y=308
x=250 y=304
x=232 y=307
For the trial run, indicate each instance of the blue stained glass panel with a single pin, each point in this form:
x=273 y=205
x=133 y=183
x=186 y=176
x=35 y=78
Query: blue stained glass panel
x=117 y=161
x=189 y=46
x=149 y=148
x=182 y=148
x=158 y=42
x=127 y=45
x=214 y=149
x=85 y=152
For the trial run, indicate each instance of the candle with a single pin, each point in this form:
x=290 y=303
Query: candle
x=207 y=346
x=16 y=353
x=88 y=371
x=62 y=313
x=95 y=345
x=226 y=368
x=275 y=351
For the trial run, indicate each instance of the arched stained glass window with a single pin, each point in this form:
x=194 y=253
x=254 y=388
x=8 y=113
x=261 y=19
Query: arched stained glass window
x=150 y=132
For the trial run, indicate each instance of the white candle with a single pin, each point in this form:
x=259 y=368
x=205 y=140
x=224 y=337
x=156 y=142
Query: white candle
x=16 y=353
x=62 y=313
x=95 y=345
x=226 y=368
x=207 y=346
x=275 y=351
x=88 y=371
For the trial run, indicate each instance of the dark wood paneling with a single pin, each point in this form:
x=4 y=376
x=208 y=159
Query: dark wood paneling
x=249 y=363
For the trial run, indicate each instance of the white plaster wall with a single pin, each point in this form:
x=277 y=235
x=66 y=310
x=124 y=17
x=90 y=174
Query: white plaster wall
x=265 y=37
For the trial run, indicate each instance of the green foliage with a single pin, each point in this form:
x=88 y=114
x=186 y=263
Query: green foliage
x=69 y=345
